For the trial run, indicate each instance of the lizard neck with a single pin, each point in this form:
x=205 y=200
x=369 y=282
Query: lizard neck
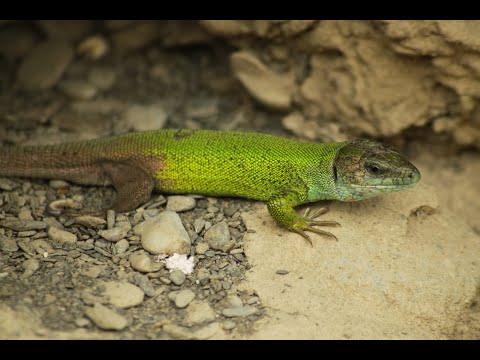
x=319 y=175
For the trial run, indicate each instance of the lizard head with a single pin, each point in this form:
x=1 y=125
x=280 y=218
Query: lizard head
x=366 y=168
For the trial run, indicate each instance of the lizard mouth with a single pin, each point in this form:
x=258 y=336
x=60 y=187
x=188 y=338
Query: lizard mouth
x=384 y=187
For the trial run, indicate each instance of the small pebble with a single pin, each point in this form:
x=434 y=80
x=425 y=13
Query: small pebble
x=122 y=294
x=199 y=312
x=228 y=325
x=121 y=246
x=199 y=225
x=177 y=277
x=105 y=318
x=282 y=272
x=22 y=225
x=58 y=184
x=142 y=262
x=145 y=117
x=90 y=221
x=30 y=266
x=25 y=214
x=62 y=239
x=183 y=298
x=179 y=203
x=115 y=234
x=218 y=237
x=110 y=219
x=7 y=244
x=202 y=248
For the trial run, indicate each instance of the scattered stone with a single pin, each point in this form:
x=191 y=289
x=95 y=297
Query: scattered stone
x=179 y=203
x=218 y=237
x=145 y=117
x=115 y=234
x=93 y=271
x=51 y=221
x=183 y=298
x=122 y=294
x=178 y=277
x=282 y=272
x=8 y=245
x=199 y=225
x=78 y=89
x=25 y=214
x=143 y=263
x=93 y=47
x=30 y=266
x=90 y=221
x=22 y=225
x=58 y=184
x=102 y=77
x=234 y=300
x=166 y=235
x=202 y=248
x=121 y=246
x=228 y=325
x=198 y=313
x=81 y=322
x=144 y=283
x=44 y=65
x=62 y=239
x=110 y=219
x=181 y=333
x=239 y=311
x=105 y=318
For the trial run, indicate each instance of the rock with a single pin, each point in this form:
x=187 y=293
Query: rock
x=144 y=283
x=62 y=239
x=93 y=48
x=199 y=312
x=199 y=225
x=30 y=266
x=121 y=246
x=239 y=311
x=178 y=277
x=22 y=225
x=271 y=89
x=228 y=325
x=105 y=318
x=102 y=77
x=143 y=263
x=44 y=65
x=183 y=298
x=179 y=203
x=181 y=333
x=51 y=221
x=25 y=214
x=90 y=221
x=145 y=117
x=122 y=294
x=115 y=234
x=218 y=237
x=110 y=219
x=202 y=248
x=166 y=235
x=137 y=36
x=58 y=184
x=78 y=89
x=8 y=245
x=93 y=271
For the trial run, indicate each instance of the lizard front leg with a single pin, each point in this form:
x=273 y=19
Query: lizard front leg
x=281 y=208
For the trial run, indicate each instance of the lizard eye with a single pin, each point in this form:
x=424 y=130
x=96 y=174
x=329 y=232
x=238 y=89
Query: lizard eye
x=373 y=169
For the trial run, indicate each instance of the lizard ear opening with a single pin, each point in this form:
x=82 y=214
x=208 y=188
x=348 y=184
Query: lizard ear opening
x=335 y=175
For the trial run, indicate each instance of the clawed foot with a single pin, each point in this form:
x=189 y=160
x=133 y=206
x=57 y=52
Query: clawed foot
x=307 y=222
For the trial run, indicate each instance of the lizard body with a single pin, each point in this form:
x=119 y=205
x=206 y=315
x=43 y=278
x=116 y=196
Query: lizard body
x=283 y=172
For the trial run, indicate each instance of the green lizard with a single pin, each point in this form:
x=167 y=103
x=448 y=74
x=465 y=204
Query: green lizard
x=283 y=172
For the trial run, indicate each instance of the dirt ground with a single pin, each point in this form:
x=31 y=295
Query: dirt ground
x=405 y=266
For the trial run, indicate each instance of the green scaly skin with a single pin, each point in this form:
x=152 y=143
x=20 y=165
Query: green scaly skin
x=282 y=172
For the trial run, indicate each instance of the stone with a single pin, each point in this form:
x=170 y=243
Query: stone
x=115 y=234
x=142 y=262
x=105 y=318
x=199 y=312
x=121 y=246
x=269 y=88
x=90 y=221
x=8 y=245
x=62 y=239
x=30 y=266
x=44 y=65
x=180 y=203
x=122 y=294
x=202 y=248
x=22 y=225
x=183 y=298
x=145 y=117
x=199 y=225
x=177 y=277
x=218 y=237
x=165 y=235
x=78 y=89
x=25 y=214
x=102 y=77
